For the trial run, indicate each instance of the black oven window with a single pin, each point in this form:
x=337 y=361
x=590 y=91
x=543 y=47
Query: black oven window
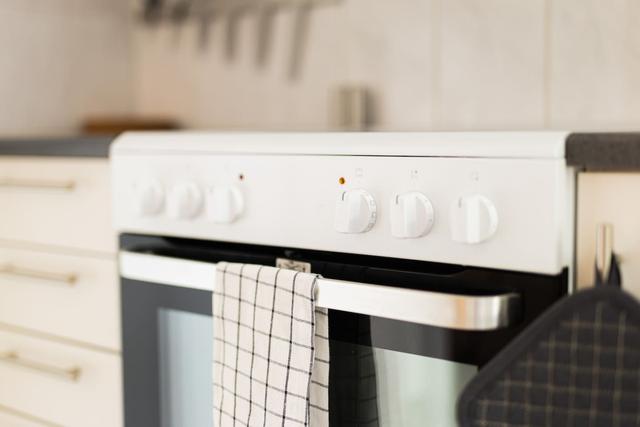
x=385 y=374
x=185 y=363
x=385 y=388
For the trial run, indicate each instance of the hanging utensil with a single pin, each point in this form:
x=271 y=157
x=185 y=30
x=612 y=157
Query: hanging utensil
x=299 y=37
x=607 y=270
x=180 y=11
x=152 y=10
x=207 y=16
x=235 y=10
x=265 y=31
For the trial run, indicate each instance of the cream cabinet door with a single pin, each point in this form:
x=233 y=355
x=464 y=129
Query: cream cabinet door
x=67 y=296
x=57 y=202
x=613 y=198
x=64 y=385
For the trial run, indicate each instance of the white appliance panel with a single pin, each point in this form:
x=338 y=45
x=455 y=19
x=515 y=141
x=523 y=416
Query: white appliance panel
x=290 y=200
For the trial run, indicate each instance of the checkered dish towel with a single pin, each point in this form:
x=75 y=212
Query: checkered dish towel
x=271 y=349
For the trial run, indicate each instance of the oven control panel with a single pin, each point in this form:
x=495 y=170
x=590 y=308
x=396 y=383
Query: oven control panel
x=506 y=213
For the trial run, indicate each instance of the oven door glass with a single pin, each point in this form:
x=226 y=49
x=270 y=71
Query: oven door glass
x=392 y=388
x=393 y=374
x=167 y=355
x=184 y=366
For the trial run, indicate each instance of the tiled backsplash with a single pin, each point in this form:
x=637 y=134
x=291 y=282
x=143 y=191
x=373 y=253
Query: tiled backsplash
x=62 y=60
x=594 y=64
x=433 y=64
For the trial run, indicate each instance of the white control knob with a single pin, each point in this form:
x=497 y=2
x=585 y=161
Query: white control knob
x=411 y=215
x=474 y=219
x=148 y=197
x=355 y=212
x=185 y=200
x=224 y=204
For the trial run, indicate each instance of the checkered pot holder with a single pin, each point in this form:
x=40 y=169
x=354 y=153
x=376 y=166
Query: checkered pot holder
x=577 y=365
x=271 y=348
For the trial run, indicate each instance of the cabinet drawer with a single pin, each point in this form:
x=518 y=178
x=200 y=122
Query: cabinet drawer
x=60 y=384
x=61 y=202
x=68 y=296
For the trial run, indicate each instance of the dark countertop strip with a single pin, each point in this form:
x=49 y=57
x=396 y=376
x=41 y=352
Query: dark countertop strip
x=587 y=151
x=83 y=146
x=600 y=152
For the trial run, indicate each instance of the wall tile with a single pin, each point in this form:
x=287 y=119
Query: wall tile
x=391 y=49
x=595 y=64
x=206 y=90
x=61 y=64
x=351 y=42
x=492 y=64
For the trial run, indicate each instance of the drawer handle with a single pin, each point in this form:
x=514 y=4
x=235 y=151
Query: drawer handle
x=65 y=278
x=12 y=357
x=37 y=184
x=27 y=417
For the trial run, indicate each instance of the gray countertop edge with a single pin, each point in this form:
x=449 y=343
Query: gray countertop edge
x=598 y=152
x=604 y=152
x=82 y=146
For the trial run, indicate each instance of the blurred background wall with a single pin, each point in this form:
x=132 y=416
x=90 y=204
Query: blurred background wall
x=61 y=60
x=431 y=64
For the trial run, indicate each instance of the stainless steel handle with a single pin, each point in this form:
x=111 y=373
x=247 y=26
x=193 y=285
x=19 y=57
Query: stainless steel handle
x=14 y=358
x=68 y=279
x=37 y=184
x=604 y=250
x=453 y=311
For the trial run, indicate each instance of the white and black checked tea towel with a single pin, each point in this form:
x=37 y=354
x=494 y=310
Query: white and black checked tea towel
x=271 y=348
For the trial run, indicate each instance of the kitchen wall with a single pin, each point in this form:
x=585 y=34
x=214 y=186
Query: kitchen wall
x=435 y=64
x=61 y=61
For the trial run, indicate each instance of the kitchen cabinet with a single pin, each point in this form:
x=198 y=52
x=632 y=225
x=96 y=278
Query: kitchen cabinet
x=56 y=202
x=62 y=384
x=68 y=296
x=60 y=360
x=611 y=197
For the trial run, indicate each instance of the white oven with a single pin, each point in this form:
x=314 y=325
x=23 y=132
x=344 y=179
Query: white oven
x=435 y=250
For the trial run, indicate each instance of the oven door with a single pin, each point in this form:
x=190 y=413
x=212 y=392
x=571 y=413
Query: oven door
x=167 y=354
x=400 y=353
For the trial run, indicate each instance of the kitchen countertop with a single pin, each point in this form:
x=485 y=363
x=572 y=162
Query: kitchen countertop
x=604 y=152
x=83 y=146
x=587 y=151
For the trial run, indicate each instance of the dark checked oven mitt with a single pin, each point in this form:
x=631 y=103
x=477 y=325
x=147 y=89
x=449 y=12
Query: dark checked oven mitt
x=577 y=365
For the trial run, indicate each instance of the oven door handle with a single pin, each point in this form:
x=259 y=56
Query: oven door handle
x=444 y=310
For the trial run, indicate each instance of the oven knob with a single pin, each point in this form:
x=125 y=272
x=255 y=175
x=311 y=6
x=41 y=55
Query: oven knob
x=411 y=215
x=148 y=197
x=355 y=212
x=225 y=204
x=474 y=219
x=185 y=201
